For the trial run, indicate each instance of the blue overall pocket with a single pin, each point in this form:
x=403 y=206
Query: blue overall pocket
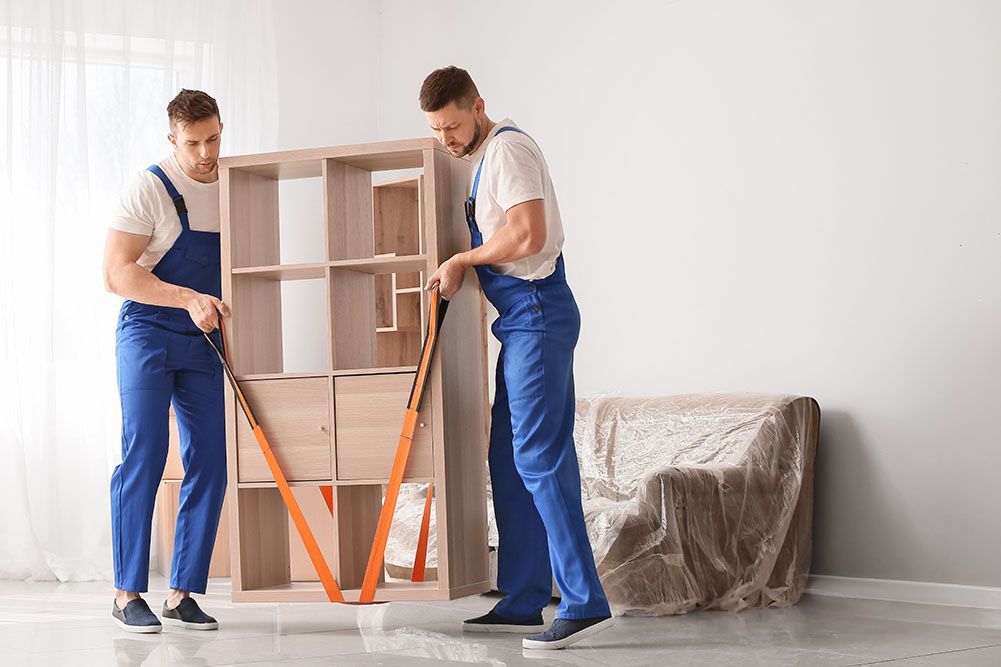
x=141 y=356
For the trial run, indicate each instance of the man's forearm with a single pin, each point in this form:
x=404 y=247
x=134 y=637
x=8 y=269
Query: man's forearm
x=137 y=284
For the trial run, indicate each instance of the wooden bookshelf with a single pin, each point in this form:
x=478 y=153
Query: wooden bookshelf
x=337 y=424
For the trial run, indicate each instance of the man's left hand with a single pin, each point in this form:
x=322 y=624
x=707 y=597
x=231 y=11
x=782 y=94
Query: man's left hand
x=448 y=278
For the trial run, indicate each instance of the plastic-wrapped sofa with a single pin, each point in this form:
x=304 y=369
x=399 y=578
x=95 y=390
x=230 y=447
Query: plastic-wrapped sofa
x=700 y=501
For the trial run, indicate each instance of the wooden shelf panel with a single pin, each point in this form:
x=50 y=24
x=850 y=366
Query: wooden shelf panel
x=411 y=183
x=404 y=264
x=333 y=483
x=312 y=591
x=312 y=167
x=307 y=163
x=311 y=271
x=379 y=238
x=375 y=371
x=320 y=374
x=318 y=270
x=281 y=376
x=374 y=482
x=274 y=485
x=409 y=329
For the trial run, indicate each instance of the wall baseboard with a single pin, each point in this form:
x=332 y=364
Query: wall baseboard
x=905 y=591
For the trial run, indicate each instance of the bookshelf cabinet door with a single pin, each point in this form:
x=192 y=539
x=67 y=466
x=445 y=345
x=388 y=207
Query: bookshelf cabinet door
x=295 y=417
x=369 y=415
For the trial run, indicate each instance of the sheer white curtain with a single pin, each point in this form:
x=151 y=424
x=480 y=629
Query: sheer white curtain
x=83 y=89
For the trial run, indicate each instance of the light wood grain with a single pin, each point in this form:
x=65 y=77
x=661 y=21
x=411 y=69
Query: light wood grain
x=362 y=394
x=313 y=271
x=356 y=515
x=390 y=591
x=347 y=201
x=253 y=201
x=369 y=415
x=408 y=311
x=282 y=376
x=385 y=301
x=399 y=347
x=462 y=503
x=352 y=309
x=295 y=418
x=383 y=264
x=396 y=219
x=307 y=163
x=256 y=322
x=263 y=539
x=409 y=282
x=374 y=370
x=231 y=515
x=405 y=182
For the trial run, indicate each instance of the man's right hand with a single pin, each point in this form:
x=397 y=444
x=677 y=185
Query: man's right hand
x=205 y=310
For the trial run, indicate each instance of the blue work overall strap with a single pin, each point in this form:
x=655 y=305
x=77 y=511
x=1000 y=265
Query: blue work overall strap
x=471 y=201
x=175 y=196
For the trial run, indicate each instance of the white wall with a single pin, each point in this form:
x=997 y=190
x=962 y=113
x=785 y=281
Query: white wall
x=777 y=196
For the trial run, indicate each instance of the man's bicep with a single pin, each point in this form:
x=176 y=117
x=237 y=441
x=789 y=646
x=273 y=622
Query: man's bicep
x=530 y=218
x=124 y=247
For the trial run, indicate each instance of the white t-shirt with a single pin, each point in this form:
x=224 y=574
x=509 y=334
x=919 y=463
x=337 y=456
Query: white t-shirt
x=144 y=207
x=514 y=172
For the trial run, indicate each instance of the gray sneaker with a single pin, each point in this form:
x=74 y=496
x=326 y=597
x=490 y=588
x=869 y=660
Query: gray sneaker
x=188 y=615
x=565 y=631
x=136 y=617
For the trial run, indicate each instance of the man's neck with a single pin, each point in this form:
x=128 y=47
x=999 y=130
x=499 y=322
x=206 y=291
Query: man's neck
x=488 y=127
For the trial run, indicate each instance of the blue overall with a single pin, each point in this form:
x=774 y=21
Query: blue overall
x=163 y=359
x=533 y=462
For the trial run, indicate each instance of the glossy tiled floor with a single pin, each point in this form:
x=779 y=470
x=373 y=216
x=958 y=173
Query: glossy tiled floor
x=70 y=624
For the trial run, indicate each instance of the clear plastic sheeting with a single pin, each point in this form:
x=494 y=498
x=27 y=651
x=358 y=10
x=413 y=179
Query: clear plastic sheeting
x=699 y=501
x=403 y=534
x=401 y=547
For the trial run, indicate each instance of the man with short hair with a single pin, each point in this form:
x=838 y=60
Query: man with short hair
x=516 y=250
x=162 y=255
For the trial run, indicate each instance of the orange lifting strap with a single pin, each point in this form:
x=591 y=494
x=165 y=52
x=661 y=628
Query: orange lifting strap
x=436 y=316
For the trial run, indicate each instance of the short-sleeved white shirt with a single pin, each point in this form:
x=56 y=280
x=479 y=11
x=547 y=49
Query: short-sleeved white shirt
x=144 y=207
x=514 y=172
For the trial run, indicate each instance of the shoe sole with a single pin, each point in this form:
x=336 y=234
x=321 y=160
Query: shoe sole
x=138 y=629
x=498 y=627
x=567 y=641
x=190 y=626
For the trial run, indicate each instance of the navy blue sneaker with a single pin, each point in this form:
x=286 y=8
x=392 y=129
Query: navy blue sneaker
x=566 y=631
x=136 y=617
x=189 y=615
x=491 y=622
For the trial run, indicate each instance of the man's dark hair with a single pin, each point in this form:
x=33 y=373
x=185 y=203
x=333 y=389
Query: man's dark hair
x=445 y=85
x=191 y=106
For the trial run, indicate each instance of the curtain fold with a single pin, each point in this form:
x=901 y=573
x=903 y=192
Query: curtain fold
x=84 y=86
